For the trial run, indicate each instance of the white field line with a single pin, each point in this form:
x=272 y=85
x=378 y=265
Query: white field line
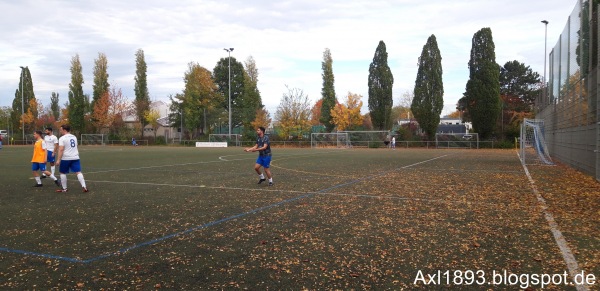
x=558 y=236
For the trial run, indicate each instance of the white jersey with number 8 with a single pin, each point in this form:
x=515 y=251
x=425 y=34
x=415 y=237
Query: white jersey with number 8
x=69 y=141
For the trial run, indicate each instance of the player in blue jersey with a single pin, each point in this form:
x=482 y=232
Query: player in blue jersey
x=263 y=147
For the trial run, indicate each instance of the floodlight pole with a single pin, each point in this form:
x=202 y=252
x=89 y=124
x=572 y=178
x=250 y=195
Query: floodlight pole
x=22 y=105
x=229 y=50
x=545 y=22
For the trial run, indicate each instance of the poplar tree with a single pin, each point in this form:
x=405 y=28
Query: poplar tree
x=482 y=94
x=142 y=97
x=380 y=84
x=76 y=96
x=54 y=106
x=101 y=85
x=328 y=91
x=23 y=96
x=428 y=100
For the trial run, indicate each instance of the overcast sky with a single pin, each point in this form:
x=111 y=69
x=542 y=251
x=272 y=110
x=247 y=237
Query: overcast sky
x=286 y=39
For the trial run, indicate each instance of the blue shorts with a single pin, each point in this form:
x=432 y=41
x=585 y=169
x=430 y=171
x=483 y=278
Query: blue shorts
x=264 y=161
x=38 y=166
x=49 y=158
x=73 y=165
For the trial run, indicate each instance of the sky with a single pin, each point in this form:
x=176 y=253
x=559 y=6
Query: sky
x=286 y=38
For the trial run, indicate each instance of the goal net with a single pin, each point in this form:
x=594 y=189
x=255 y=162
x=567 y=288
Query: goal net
x=231 y=139
x=329 y=140
x=369 y=139
x=534 y=149
x=93 y=139
x=457 y=140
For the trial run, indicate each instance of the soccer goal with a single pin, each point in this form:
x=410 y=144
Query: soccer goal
x=534 y=149
x=329 y=140
x=457 y=140
x=231 y=139
x=369 y=138
x=93 y=139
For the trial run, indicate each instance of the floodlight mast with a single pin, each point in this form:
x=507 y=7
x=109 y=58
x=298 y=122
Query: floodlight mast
x=545 y=22
x=229 y=50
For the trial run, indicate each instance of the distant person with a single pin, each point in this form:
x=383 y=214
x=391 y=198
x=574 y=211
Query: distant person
x=68 y=158
x=393 y=142
x=133 y=142
x=38 y=162
x=51 y=142
x=0 y=141
x=263 y=147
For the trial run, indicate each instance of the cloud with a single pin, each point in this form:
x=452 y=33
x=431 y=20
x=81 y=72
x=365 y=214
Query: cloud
x=286 y=38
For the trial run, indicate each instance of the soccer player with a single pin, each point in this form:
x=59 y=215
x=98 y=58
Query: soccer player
x=263 y=147
x=38 y=162
x=51 y=144
x=68 y=158
x=393 y=142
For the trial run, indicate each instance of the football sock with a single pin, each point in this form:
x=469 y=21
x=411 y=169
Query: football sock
x=53 y=177
x=52 y=169
x=270 y=180
x=262 y=176
x=63 y=180
x=38 y=180
x=81 y=180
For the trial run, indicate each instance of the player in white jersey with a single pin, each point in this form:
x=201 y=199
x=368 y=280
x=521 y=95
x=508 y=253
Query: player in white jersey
x=51 y=142
x=68 y=158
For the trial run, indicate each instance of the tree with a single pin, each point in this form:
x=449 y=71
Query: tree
x=263 y=118
x=251 y=100
x=23 y=95
x=315 y=113
x=54 y=107
x=151 y=118
x=108 y=110
x=482 y=95
x=199 y=96
x=347 y=116
x=100 y=85
x=76 y=97
x=519 y=84
x=293 y=113
x=454 y=114
x=142 y=97
x=221 y=79
x=100 y=116
x=328 y=97
x=380 y=84
x=428 y=101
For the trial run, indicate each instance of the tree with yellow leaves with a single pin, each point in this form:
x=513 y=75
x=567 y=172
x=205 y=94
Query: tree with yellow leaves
x=151 y=116
x=346 y=116
x=263 y=118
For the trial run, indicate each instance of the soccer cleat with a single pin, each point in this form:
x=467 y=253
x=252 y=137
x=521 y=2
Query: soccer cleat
x=43 y=177
x=61 y=190
x=85 y=189
x=57 y=182
x=270 y=183
x=38 y=185
x=261 y=180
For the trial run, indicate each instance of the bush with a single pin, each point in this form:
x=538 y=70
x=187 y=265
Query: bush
x=160 y=140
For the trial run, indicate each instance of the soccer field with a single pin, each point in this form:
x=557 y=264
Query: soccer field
x=191 y=218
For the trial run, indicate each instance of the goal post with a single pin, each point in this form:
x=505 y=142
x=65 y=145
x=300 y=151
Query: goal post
x=329 y=140
x=457 y=140
x=533 y=147
x=231 y=139
x=93 y=139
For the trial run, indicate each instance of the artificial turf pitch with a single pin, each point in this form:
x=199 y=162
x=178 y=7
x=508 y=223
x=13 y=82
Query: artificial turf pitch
x=194 y=218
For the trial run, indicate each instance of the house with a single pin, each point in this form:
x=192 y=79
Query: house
x=164 y=129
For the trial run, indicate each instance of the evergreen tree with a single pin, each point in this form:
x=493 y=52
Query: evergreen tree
x=428 y=100
x=22 y=100
x=101 y=85
x=76 y=98
x=54 y=106
x=380 y=84
x=482 y=95
x=142 y=97
x=328 y=91
x=520 y=85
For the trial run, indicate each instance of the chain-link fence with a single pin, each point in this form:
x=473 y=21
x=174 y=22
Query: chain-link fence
x=570 y=105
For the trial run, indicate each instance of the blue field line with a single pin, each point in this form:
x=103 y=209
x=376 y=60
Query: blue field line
x=48 y=256
x=157 y=240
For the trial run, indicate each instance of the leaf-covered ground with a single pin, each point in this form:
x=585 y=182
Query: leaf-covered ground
x=186 y=218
